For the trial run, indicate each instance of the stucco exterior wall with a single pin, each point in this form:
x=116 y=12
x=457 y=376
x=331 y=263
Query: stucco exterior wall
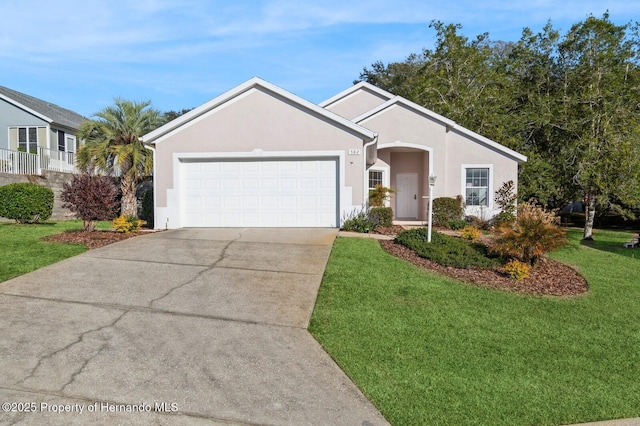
x=356 y=104
x=401 y=129
x=258 y=124
x=465 y=152
x=400 y=126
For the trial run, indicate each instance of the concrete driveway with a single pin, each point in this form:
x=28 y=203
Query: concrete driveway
x=191 y=326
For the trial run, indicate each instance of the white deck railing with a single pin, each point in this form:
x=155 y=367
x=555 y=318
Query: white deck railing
x=25 y=163
x=19 y=163
x=57 y=161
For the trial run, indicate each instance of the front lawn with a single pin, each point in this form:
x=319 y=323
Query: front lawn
x=427 y=349
x=22 y=250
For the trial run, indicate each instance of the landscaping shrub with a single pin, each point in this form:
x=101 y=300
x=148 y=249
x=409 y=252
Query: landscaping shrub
x=383 y=216
x=446 y=209
x=534 y=233
x=470 y=233
x=26 y=202
x=480 y=222
x=91 y=198
x=503 y=219
x=126 y=224
x=379 y=195
x=457 y=224
x=445 y=250
x=517 y=270
x=359 y=221
x=506 y=199
x=147 y=208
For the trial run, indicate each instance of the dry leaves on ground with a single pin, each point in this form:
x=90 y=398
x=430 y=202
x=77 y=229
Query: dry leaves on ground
x=92 y=240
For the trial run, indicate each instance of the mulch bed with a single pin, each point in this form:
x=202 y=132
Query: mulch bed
x=388 y=230
x=92 y=240
x=548 y=277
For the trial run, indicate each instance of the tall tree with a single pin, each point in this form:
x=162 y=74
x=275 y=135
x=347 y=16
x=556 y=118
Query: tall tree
x=571 y=104
x=533 y=72
x=459 y=78
x=600 y=113
x=113 y=146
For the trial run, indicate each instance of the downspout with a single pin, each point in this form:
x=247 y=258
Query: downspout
x=365 y=178
x=155 y=193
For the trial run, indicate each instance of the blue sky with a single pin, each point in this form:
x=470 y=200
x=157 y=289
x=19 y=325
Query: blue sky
x=182 y=53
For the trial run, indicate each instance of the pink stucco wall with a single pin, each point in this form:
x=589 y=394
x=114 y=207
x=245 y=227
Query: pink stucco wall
x=258 y=120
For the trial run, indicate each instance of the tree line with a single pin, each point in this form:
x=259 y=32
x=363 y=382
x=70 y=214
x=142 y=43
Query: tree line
x=570 y=102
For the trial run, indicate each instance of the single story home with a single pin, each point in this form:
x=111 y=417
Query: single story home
x=259 y=156
x=36 y=128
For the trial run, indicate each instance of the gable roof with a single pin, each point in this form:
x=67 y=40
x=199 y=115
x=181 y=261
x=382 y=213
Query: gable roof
x=450 y=125
x=363 y=85
x=260 y=84
x=45 y=110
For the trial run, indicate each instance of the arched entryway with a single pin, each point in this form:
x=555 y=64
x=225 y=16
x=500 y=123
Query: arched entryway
x=405 y=167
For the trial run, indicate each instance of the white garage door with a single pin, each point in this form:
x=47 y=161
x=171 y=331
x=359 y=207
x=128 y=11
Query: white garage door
x=276 y=193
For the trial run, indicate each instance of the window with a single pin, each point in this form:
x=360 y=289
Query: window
x=61 y=141
x=28 y=139
x=477 y=187
x=376 y=177
x=71 y=144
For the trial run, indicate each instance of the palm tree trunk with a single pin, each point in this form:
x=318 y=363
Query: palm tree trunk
x=129 y=206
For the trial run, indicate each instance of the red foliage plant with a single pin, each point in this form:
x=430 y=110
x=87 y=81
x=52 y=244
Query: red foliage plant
x=91 y=198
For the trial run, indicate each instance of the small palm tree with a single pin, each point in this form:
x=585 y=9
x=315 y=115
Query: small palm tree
x=113 y=146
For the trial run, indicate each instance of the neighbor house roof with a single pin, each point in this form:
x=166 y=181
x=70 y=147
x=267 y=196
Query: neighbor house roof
x=450 y=125
x=45 y=110
x=260 y=84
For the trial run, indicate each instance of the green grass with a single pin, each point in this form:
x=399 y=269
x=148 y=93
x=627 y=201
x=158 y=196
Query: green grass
x=427 y=349
x=23 y=251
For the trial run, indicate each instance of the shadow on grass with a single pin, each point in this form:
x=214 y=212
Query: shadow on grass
x=613 y=242
x=43 y=224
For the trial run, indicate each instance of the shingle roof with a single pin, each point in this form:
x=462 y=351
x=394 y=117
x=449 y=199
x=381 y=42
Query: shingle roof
x=55 y=113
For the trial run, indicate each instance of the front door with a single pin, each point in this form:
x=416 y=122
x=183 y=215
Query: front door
x=407 y=195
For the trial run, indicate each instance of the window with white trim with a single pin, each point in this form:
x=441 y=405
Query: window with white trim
x=71 y=144
x=28 y=139
x=477 y=186
x=376 y=177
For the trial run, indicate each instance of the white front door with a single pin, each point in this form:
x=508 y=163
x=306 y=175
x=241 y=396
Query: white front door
x=407 y=195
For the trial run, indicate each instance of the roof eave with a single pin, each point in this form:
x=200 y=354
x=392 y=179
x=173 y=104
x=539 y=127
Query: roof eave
x=353 y=89
x=26 y=109
x=255 y=82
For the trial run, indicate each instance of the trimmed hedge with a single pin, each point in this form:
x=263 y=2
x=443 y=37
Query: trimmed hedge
x=26 y=202
x=445 y=250
x=383 y=216
x=446 y=210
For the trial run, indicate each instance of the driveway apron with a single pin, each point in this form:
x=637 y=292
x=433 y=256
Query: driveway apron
x=189 y=326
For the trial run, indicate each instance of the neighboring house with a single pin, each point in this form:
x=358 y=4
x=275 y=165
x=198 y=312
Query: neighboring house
x=261 y=156
x=36 y=135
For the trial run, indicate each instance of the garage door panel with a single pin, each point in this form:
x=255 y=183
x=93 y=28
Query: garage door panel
x=285 y=193
x=251 y=184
